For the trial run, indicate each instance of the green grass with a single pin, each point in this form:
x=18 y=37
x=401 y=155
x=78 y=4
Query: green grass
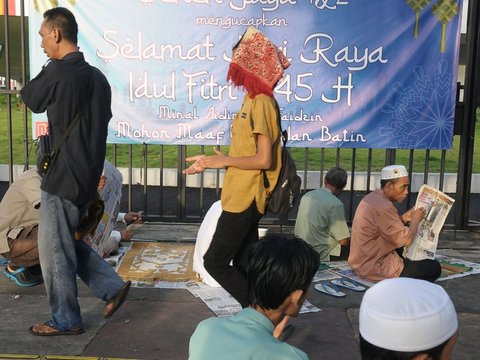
x=167 y=155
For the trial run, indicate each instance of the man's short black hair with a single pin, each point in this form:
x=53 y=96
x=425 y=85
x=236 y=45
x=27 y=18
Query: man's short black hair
x=279 y=265
x=372 y=352
x=383 y=183
x=64 y=20
x=337 y=177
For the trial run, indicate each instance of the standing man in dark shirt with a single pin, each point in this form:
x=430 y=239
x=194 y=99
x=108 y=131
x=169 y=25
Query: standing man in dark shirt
x=68 y=85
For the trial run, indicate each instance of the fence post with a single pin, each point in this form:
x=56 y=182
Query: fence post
x=471 y=96
x=390 y=156
x=181 y=185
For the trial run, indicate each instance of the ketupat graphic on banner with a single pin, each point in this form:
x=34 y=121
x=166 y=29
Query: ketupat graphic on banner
x=364 y=74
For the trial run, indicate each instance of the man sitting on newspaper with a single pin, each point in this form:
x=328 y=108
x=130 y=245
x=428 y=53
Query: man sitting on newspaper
x=379 y=233
x=280 y=270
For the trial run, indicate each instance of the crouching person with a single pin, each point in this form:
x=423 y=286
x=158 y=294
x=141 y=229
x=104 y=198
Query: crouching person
x=280 y=271
x=407 y=319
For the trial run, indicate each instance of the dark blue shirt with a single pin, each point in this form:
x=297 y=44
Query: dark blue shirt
x=63 y=88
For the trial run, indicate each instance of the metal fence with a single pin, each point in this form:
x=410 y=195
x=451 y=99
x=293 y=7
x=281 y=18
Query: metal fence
x=165 y=194
x=171 y=196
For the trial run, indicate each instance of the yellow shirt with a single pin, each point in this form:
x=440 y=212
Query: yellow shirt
x=241 y=187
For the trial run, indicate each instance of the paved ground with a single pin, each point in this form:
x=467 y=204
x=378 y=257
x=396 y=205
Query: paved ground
x=157 y=323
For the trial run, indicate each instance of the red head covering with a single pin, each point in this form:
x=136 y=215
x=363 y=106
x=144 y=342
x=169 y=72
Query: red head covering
x=257 y=64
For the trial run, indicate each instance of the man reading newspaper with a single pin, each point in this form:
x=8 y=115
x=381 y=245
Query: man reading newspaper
x=379 y=233
x=437 y=206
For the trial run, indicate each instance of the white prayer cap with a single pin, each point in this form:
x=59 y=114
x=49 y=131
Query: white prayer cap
x=394 y=172
x=404 y=314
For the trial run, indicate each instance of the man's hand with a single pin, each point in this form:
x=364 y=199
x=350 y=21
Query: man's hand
x=417 y=215
x=125 y=235
x=101 y=183
x=195 y=168
x=407 y=217
x=217 y=161
x=132 y=217
x=202 y=162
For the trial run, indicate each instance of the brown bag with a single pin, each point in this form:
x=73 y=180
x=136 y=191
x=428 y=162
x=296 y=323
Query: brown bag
x=89 y=223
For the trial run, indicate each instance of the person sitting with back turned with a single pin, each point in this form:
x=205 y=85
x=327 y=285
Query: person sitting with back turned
x=321 y=217
x=279 y=274
x=19 y=218
x=379 y=233
x=407 y=319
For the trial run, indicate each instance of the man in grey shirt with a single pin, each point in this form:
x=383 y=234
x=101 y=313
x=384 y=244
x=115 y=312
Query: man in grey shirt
x=321 y=216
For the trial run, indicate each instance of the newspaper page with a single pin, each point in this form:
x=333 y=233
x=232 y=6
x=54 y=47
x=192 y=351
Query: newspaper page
x=336 y=270
x=453 y=268
x=111 y=195
x=217 y=299
x=437 y=206
x=223 y=304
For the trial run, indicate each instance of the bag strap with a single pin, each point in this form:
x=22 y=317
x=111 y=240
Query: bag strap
x=67 y=132
x=283 y=138
x=62 y=139
x=74 y=121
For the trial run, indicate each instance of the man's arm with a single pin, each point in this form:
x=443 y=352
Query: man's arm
x=38 y=93
x=392 y=228
x=339 y=226
x=132 y=217
x=260 y=161
x=416 y=216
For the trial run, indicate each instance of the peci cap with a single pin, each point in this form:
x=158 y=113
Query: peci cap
x=394 y=172
x=407 y=315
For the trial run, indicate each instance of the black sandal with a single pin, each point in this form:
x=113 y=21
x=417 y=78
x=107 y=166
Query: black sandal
x=116 y=301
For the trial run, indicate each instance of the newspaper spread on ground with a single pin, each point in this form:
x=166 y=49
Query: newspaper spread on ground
x=165 y=264
x=216 y=298
x=437 y=206
x=111 y=195
x=114 y=260
x=454 y=268
x=223 y=304
x=336 y=270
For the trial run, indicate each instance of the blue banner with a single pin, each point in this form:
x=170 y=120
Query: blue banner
x=363 y=74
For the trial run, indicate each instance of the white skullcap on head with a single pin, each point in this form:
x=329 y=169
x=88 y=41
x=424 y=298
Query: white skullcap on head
x=404 y=314
x=394 y=172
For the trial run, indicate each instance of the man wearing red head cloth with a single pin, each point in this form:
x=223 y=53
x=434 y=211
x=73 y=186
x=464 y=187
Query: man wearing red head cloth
x=256 y=66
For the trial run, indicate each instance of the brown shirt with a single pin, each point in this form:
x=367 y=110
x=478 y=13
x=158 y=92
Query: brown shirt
x=377 y=230
x=19 y=207
x=241 y=187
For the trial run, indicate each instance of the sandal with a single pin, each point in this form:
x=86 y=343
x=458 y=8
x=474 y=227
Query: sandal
x=113 y=304
x=329 y=289
x=348 y=284
x=22 y=277
x=47 y=329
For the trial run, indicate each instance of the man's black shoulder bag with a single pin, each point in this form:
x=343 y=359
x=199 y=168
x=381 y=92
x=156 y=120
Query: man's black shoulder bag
x=45 y=153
